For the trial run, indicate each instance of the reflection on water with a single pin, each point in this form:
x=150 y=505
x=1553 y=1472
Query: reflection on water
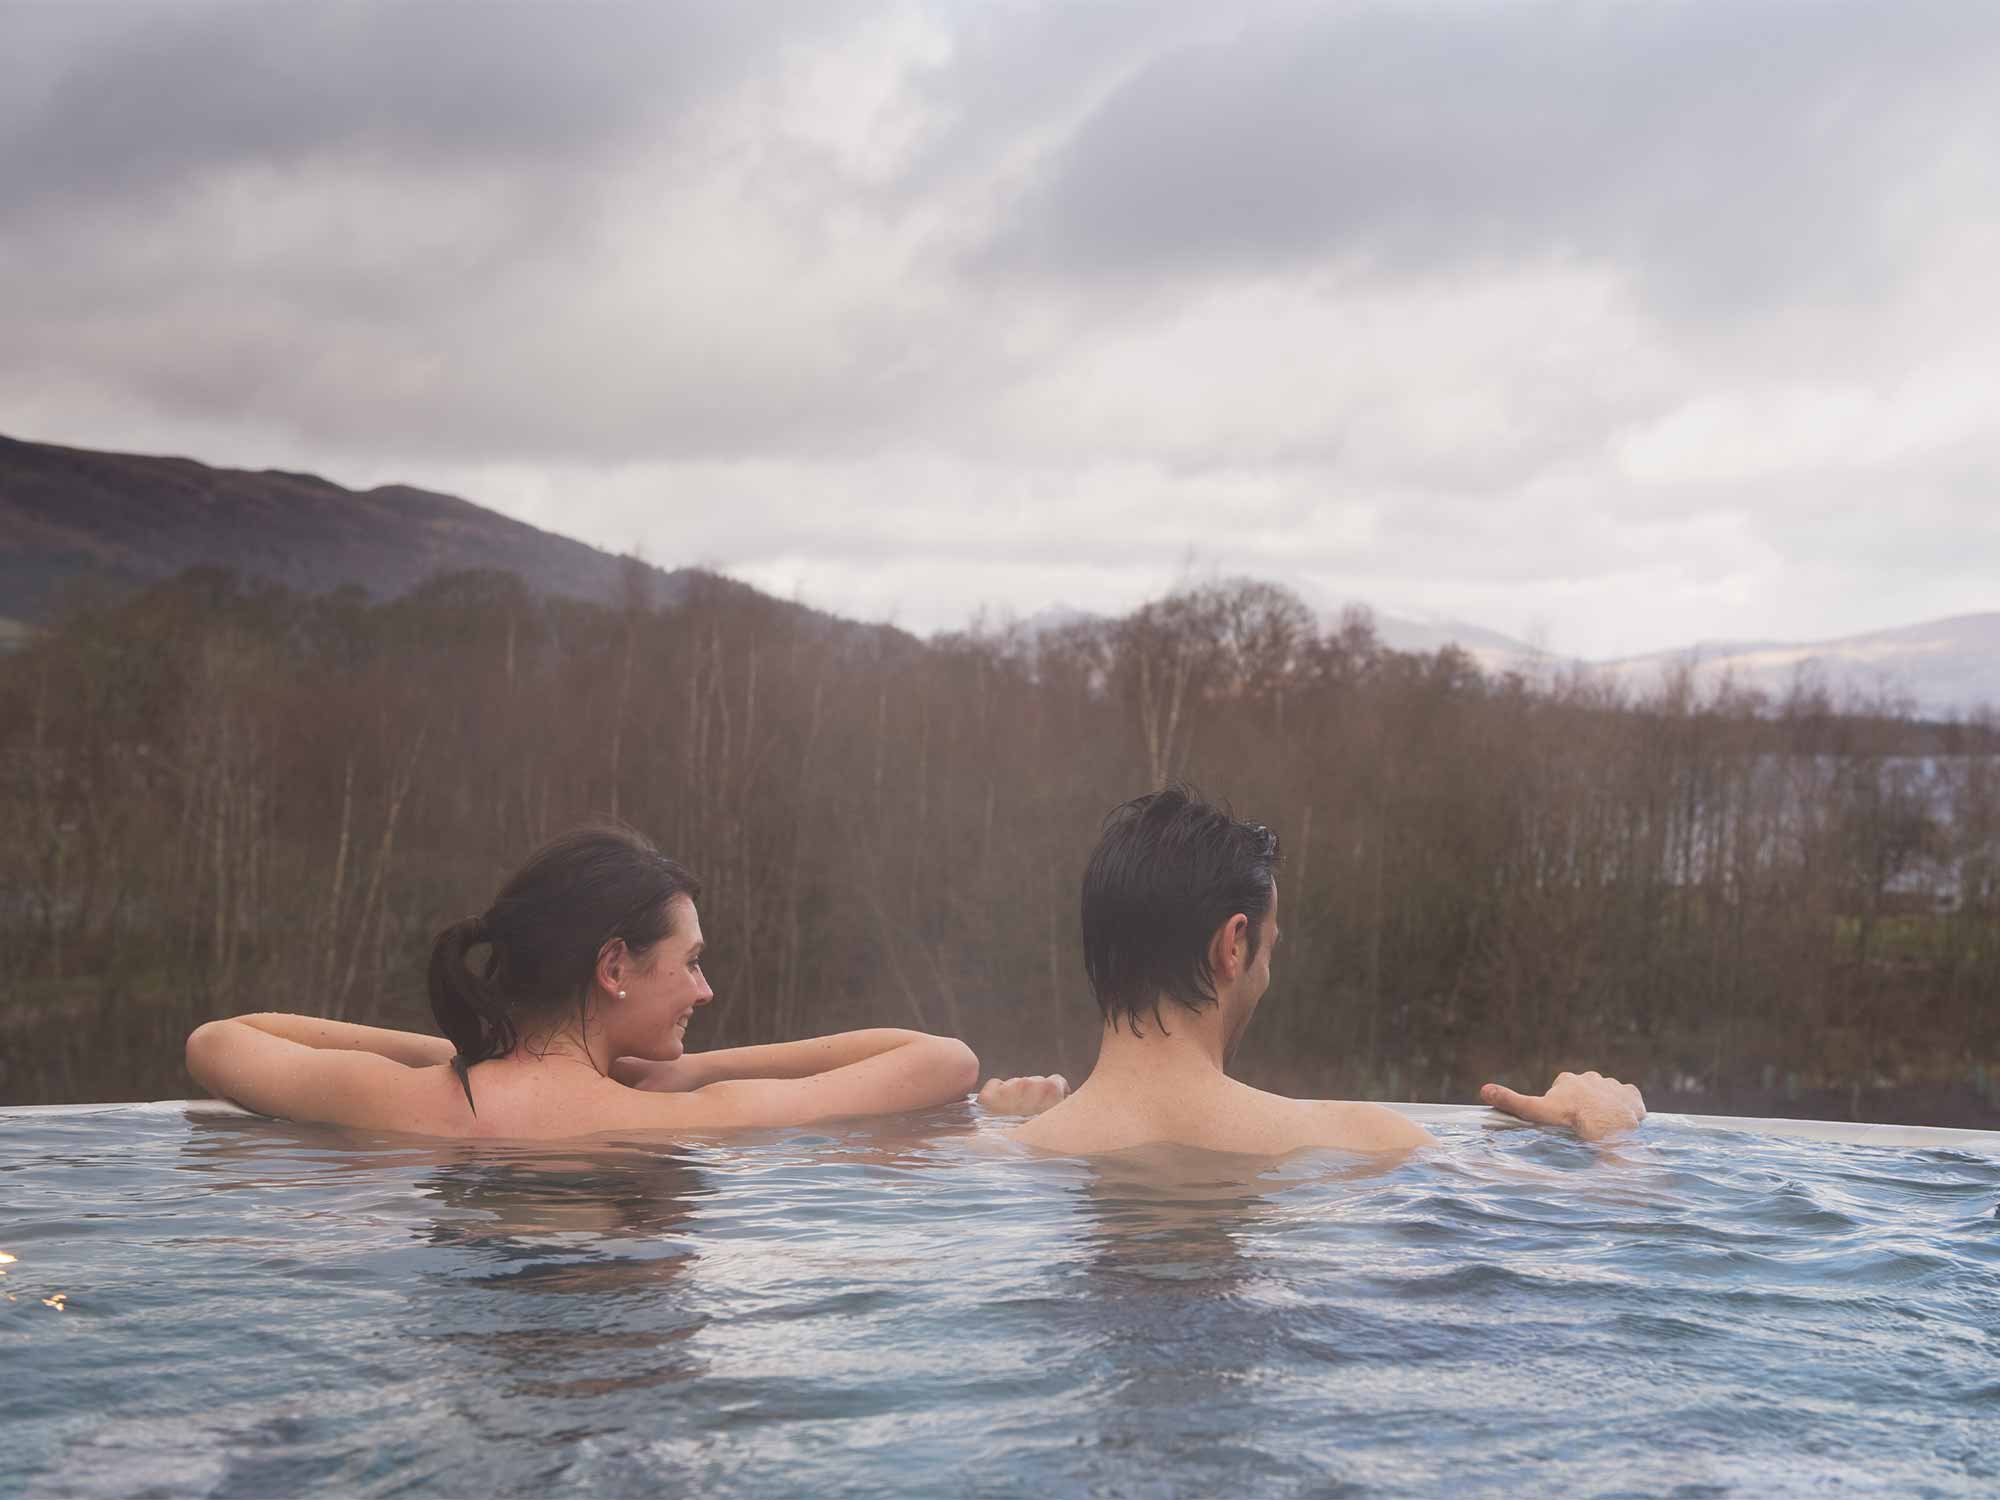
x=1185 y=1297
x=553 y=1264
x=605 y=1231
x=1181 y=1215
x=530 y=1206
x=907 y=1308
x=1170 y=1216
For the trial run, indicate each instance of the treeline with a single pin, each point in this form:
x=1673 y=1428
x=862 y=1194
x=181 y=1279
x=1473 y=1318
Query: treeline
x=216 y=797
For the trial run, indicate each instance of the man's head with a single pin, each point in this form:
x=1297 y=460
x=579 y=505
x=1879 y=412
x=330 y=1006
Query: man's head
x=1179 y=901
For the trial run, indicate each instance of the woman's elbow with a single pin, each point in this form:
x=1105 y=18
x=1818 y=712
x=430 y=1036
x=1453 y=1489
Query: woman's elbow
x=957 y=1066
x=203 y=1053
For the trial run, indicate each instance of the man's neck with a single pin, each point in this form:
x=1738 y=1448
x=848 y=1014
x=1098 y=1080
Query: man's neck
x=1179 y=1044
x=1165 y=1084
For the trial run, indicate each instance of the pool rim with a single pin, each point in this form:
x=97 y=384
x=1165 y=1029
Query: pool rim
x=1844 y=1132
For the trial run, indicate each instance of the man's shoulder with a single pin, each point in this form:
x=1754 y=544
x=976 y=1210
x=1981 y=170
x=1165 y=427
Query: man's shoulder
x=1236 y=1118
x=1065 y=1128
x=1355 y=1125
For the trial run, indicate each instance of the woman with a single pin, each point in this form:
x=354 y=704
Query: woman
x=592 y=957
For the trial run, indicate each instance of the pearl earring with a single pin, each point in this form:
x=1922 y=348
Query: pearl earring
x=621 y=994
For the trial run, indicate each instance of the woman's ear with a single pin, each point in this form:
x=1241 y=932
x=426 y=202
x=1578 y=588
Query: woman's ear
x=613 y=959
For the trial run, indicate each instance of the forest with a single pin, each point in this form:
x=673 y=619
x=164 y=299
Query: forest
x=218 y=797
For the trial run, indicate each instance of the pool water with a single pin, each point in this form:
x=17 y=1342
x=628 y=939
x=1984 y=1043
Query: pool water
x=218 y=1305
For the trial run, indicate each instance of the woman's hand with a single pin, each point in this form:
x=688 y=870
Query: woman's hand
x=1023 y=1096
x=1588 y=1103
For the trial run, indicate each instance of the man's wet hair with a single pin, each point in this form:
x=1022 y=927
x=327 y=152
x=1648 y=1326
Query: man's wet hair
x=1168 y=870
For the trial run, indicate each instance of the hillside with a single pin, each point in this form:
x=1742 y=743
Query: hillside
x=71 y=517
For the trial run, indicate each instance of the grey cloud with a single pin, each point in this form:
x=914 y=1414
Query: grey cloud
x=1019 y=70
x=1037 y=333
x=462 y=156
x=149 y=93
x=1734 y=153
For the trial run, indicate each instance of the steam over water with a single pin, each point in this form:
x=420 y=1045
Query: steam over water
x=238 y=1307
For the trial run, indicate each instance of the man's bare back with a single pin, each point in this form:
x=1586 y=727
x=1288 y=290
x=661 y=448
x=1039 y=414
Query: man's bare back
x=1180 y=921
x=1218 y=1114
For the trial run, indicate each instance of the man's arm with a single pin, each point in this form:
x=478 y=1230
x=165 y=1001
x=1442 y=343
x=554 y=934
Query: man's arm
x=1588 y=1103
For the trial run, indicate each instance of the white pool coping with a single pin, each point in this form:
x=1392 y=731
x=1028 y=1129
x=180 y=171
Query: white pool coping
x=1846 y=1132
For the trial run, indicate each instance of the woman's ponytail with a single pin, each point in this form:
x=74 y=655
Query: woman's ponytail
x=544 y=934
x=466 y=1012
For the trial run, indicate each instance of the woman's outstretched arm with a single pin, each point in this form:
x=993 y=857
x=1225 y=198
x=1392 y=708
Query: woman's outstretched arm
x=801 y=1059
x=413 y=1049
x=304 y=1068
x=877 y=1072
x=919 y=1073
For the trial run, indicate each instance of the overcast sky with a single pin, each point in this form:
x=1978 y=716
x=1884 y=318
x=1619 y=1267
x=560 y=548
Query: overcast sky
x=1613 y=326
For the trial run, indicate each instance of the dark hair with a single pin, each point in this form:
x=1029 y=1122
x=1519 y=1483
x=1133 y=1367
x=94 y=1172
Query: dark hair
x=543 y=933
x=1168 y=870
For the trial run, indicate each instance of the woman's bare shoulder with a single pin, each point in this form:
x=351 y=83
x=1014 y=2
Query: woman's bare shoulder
x=383 y=1095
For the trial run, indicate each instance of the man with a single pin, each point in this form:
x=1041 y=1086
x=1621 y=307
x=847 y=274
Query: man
x=1180 y=923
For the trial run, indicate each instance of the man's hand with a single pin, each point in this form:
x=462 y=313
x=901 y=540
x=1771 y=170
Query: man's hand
x=1588 y=1103
x=1023 y=1096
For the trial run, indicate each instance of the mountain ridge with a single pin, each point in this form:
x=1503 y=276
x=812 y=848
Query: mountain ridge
x=73 y=517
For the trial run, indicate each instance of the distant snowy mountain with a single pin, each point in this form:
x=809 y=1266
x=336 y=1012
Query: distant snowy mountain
x=1945 y=667
x=1493 y=651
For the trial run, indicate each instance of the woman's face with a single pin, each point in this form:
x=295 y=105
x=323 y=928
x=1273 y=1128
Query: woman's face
x=661 y=990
